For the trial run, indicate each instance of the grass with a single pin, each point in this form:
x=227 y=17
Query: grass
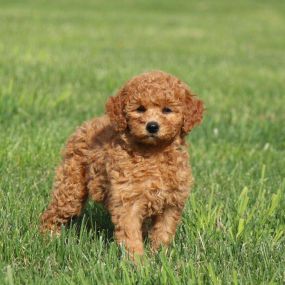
x=59 y=62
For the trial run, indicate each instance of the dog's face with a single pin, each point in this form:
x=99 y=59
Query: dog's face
x=154 y=107
x=153 y=116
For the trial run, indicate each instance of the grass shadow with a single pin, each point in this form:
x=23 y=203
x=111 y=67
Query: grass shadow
x=96 y=221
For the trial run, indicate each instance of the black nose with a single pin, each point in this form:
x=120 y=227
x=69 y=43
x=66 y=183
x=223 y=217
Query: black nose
x=152 y=127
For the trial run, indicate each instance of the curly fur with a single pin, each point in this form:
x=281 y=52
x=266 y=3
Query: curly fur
x=136 y=175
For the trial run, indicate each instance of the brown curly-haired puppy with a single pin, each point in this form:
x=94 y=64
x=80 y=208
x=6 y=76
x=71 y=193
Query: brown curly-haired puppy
x=134 y=160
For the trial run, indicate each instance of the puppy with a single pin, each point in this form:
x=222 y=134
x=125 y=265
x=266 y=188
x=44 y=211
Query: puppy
x=134 y=160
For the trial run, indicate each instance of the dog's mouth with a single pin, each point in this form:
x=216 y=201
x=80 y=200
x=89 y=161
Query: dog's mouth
x=147 y=138
x=151 y=139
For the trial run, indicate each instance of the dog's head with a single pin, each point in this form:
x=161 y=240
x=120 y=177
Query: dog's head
x=154 y=107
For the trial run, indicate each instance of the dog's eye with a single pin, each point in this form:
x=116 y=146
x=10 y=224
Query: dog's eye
x=166 y=110
x=141 y=109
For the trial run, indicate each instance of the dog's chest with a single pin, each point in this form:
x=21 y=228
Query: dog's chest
x=158 y=179
x=159 y=172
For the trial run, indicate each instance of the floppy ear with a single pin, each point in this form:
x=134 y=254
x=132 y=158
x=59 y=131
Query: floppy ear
x=193 y=112
x=115 y=110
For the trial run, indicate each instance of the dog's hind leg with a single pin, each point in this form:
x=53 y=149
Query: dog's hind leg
x=69 y=195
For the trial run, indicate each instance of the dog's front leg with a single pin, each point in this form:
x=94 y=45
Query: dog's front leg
x=164 y=227
x=128 y=228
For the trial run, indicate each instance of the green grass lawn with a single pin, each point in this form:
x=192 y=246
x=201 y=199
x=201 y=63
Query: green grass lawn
x=60 y=60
